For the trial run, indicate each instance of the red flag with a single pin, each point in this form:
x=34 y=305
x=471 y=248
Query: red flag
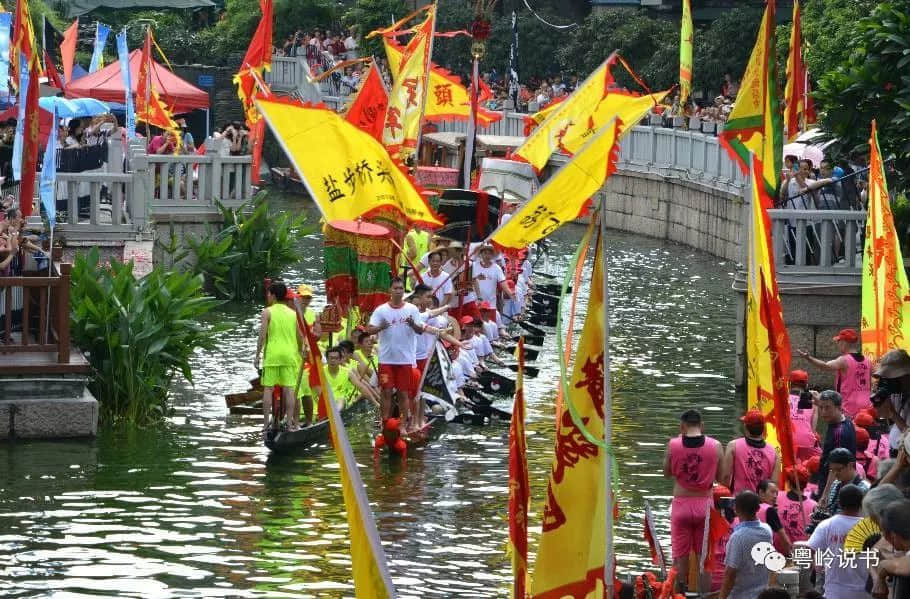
x=53 y=76
x=149 y=107
x=259 y=52
x=718 y=529
x=258 y=58
x=68 y=50
x=657 y=552
x=368 y=108
x=519 y=488
x=316 y=372
x=30 y=143
x=23 y=38
x=799 y=111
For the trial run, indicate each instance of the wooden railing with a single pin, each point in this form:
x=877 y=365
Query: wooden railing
x=28 y=325
x=818 y=241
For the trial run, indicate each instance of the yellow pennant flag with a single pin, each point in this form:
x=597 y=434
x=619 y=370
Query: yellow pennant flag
x=447 y=98
x=754 y=124
x=346 y=170
x=886 y=296
x=686 y=36
x=573 y=121
x=565 y=195
x=370 y=571
x=407 y=98
x=572 y=550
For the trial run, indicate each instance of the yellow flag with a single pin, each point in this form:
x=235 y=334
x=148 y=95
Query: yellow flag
x=574 y=120
x=447 y=98
x=407 y=98
x=572 y=549
x=754 y=125
x=686 y=35
x=565 y=194
x=886 y=296
x=347 y=172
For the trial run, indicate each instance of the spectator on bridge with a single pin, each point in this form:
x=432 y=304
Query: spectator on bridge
x=350 y=45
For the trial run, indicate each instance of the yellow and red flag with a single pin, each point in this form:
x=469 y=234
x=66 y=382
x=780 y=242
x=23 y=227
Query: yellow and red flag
x=408 y=97
x=767 y=340
x=533 y=121
x=799 y=111
x=23 y=38
x=886 y=295
x=149 y=106
x=347 y=172
x=572 y=122
x=448 y=99
x=754 y=125
x=367 y=109
x=566 y=194
x=571 y=555
x=519 y=487
x=368 y=562
x=686 y=36
x=258 y=59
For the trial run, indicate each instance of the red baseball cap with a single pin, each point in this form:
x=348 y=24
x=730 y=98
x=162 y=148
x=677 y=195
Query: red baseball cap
x=466 y=320
x=799 y=376
x=862 y=439
x=848 y=335
x=753 y=418
x=863 y=420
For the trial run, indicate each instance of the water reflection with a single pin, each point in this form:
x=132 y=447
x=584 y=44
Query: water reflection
x=197 y=507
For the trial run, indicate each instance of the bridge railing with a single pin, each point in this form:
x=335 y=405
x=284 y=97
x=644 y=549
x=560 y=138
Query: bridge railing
x=818 y=241
x=34 y=316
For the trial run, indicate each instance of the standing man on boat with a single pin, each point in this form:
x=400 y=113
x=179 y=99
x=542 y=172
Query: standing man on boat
x=693 y=460
x=439 y=281
x=852 y=372
x=281 y=342
x=749 y=459
x=803 y=415
x=397 y=324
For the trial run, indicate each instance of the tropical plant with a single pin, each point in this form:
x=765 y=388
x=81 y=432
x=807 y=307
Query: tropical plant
x=138 y=334
x=873 y=83
x=251 y=244
x=368 y=15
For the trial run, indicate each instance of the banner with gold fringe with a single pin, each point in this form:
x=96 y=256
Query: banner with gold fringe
x=519 y=487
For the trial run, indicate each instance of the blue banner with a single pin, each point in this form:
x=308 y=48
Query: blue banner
x=5 y=22
x=19 y=139
x=47 y=184
x=101 y=33
x=123 y=54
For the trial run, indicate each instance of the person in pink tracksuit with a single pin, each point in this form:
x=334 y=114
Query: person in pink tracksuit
x=852 y=372
x=693 y=460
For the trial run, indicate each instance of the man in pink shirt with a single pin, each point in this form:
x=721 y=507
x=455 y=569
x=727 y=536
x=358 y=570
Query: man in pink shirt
x=852 y=371
x=749 y=459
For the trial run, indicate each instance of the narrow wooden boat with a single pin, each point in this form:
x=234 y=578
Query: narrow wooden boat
x=315 y=434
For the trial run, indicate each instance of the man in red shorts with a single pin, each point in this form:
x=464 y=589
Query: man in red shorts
x=397 y=324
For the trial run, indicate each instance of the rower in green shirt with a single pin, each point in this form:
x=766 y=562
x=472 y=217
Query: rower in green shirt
x=281 y=342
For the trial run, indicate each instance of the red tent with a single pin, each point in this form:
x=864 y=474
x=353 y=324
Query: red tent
x=107 y=85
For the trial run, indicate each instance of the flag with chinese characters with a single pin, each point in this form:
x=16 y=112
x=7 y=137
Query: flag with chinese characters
x=767 y=341
x=592 y=105
x=799 y=111
x=571 y=554
x=754 y=124
x=448 y=99
x=565 y=195
x=347 y=172
x=368 y=562
x=886 y=295
x=532 y=121
x=686 y=35
x=407 y=98
x=367 y=109
x=519 y=487
x=149 y=106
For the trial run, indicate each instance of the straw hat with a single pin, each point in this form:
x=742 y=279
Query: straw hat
x=305 y=291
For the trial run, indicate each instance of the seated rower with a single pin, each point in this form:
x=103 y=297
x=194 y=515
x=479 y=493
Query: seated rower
x=488 y=323
x=482 y=346
x=367 y=366
x=343 y=390
x=467 y=342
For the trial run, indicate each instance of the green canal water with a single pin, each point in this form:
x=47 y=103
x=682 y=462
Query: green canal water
x=197 y=507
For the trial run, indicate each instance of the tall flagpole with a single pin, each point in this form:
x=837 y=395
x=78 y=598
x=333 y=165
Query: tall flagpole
x=608 y=409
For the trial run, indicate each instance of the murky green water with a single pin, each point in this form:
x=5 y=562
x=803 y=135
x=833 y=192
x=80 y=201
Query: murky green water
x=198 y=508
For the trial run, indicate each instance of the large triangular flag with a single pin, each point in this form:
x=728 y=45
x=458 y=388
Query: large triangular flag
x=886 y=295
x=347 y=172
x=592 y=105
x=367 y=109
x=767 y=340
x=256 y=61
x=68 y=50
x=565 y=195
x=149 y=106
x=754 y=124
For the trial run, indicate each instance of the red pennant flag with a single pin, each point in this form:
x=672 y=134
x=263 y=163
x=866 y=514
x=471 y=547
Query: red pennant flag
x=718 y=529
x=149 y=107
x=367 y=110
x=68 y=50
x=30 y=143
x=53 y=75
x=259 y=52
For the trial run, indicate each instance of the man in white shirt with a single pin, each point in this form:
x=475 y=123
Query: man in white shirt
x=489 y=279
x=439 y=281
x=396 y=323
x=844 y=578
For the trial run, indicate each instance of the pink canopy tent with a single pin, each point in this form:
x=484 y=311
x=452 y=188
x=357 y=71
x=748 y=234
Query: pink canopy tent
x=107 y=85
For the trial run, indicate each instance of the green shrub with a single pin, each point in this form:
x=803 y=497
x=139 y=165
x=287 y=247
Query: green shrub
x=250 y=245
x=900 y=208
x=138 y=333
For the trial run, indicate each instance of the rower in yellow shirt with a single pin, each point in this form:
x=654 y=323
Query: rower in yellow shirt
x=280 y=340
x=343 y=390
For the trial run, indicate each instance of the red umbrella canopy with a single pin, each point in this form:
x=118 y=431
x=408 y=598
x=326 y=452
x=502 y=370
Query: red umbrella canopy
x=107 y=85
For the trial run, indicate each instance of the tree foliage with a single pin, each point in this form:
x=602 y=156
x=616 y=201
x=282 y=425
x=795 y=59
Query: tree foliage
x=369 y=15
x=873 y=82
x=829 y=27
